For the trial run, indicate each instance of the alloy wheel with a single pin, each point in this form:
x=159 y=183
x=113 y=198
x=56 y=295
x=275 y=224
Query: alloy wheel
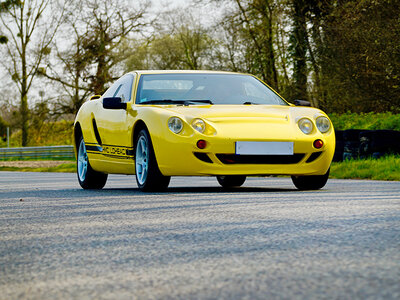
x=82 y=161
x=142 y=160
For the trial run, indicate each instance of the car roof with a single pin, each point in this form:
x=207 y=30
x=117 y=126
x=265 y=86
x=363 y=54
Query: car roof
x=141 y=72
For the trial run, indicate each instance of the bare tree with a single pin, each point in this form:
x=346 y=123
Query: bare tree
x=70 y=71
x=298 y=43
x=180 y=41
x=251 y=23
x=94 y=32
x=4 y=7
x=30 y=27
x=109 y=24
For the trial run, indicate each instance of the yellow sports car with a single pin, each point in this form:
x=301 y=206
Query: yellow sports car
x=158 y=124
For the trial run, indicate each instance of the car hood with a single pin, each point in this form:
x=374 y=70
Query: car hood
x=248 y=121
x=226 y=113
x=247 y=113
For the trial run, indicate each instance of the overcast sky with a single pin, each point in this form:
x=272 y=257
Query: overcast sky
x=205 y=13
x=161 y=4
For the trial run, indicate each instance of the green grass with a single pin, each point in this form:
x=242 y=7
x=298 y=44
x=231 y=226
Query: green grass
x=368 y=121
x=40 y=159
x=385 y=168
x=63 y=168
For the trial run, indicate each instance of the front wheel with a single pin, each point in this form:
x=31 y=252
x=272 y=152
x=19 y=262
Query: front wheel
x=230 y=181
x=313 y=182
x=87 y=177
x=148 y=175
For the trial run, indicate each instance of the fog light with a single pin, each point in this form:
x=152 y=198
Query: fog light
x=318 y=144
x=201 y=144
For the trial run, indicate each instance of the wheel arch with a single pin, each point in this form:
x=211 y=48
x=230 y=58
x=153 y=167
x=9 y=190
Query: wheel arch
x=77 y=134
x=139 y=125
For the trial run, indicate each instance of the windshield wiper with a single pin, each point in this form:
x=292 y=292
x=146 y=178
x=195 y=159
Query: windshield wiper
x=187 y=102
x=164 y=101
x=170 y=101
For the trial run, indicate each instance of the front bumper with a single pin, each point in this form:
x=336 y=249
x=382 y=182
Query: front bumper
x=179 y=156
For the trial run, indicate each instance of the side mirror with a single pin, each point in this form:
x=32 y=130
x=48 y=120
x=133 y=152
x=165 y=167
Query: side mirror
x=302 y=103
x=113 y=103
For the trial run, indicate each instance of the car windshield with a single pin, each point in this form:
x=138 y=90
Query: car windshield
x=204 y=89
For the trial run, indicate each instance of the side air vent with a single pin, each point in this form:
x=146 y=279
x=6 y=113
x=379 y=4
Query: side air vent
x=203 y=157
x=96 y=132
x=313 y=156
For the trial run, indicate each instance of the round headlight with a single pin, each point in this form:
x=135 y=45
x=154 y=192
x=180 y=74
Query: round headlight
x=175 y=124
x=323 y=124
x=199 y=125
x=305 y=125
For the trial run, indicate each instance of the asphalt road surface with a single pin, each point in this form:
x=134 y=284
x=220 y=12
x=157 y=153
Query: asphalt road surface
x=265 y=240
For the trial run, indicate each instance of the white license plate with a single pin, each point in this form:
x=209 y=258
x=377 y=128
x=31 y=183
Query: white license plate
x=264 y=148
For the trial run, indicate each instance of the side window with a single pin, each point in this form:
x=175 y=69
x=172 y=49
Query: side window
x=124 y=89
x=111 y=90
x=121 y=88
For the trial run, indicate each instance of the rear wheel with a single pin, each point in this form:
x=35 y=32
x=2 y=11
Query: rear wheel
x=314 y=182
x=148 y=175
x=230 y=181
x=87 y=177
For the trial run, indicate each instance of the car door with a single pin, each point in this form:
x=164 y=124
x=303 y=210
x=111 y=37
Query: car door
x=115 y=125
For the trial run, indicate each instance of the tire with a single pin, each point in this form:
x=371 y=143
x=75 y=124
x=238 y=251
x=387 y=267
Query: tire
x=148 y=175
x=314 y=182
x=87 y=177
x=230 y=181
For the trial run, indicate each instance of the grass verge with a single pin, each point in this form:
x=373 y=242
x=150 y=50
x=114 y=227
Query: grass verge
x=385 y=168
x=69 y=167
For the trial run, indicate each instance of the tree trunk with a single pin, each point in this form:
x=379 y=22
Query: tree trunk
x=270 y=46
x=300 y=48
x=24 y=110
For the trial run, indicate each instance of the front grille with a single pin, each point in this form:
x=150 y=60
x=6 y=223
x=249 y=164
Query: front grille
x=260 y=159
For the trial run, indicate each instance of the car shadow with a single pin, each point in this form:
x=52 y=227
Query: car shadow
x=205 y=190
x=80 y=193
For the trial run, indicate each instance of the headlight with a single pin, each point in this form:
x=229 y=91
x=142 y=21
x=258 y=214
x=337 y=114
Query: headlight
x=323 y=124
x=175 y=124
x=305 y=125
x=199 y=125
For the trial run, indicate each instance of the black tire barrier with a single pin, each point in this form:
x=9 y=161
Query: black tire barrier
x=338 y=156
x=356 y=143
x=351 y=149
x=339 y=149
x=351 y=134
x=379 y=141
